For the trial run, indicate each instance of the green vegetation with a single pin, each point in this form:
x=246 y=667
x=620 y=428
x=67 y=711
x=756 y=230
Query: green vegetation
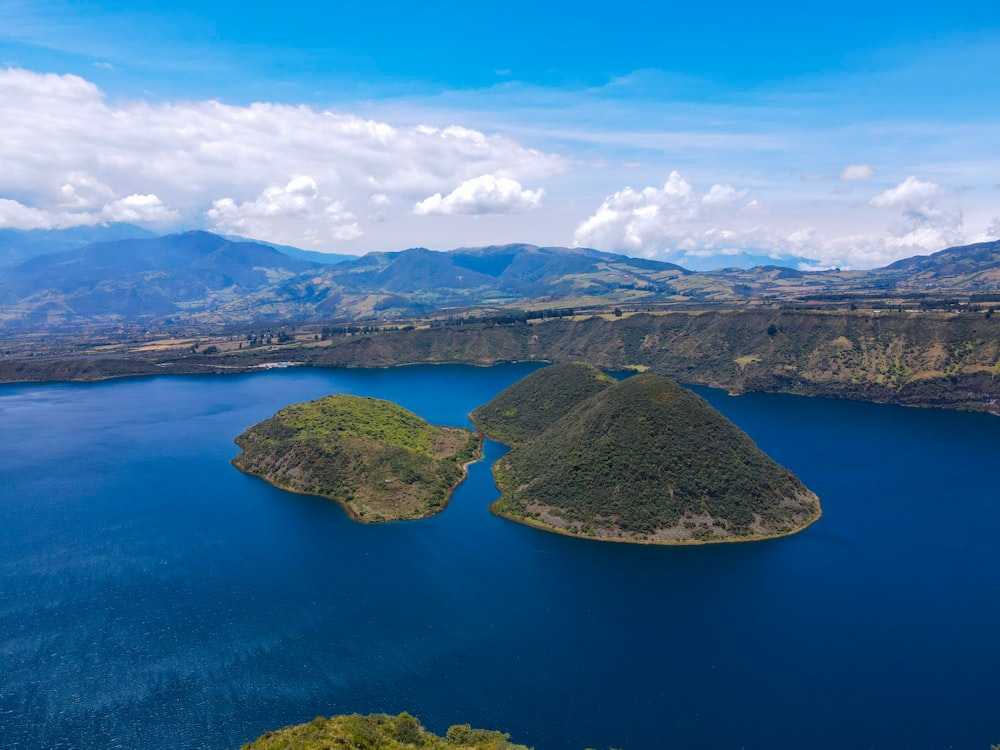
x=645 y=460
x=918 y=359
x=379 y=732
x=530 y=406
x=380 y=461
x=913 y=358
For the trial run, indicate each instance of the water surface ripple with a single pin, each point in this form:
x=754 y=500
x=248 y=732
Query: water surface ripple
x=152 y=596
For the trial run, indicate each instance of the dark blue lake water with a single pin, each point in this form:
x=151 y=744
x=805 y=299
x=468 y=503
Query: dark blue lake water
x=151 y=596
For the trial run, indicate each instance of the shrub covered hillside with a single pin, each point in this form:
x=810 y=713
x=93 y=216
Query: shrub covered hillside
x=645 y=460
x=378 y=732
x=527 y=408
x=922 y=359
x=380 y=461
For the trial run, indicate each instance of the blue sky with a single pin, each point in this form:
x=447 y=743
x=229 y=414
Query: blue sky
x=849 y=135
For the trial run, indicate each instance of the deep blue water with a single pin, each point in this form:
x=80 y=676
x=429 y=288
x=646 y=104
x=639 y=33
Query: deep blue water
x=152 y=596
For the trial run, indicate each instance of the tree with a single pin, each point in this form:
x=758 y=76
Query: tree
x=406 y=729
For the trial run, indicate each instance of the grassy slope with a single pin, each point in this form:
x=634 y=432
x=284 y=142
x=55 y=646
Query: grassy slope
x=378 y=732
x=379 y=460
x=646 y=460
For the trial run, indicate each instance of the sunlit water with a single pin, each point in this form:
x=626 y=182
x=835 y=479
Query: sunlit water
x=151 y=596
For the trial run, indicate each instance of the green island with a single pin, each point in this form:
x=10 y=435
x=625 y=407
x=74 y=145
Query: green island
x=642 y=460
x=379 y=732
x=378 y=460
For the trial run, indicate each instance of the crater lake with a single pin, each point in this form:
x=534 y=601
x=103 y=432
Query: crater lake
x=152 y=596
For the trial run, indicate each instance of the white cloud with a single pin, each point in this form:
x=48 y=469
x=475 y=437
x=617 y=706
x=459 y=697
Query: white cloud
x=723 y=195
x=347 y=232
x=81 y=191
x=990 y=234
x=662 y=220
x=70 y=156
x=923 y=224
x=675 y=222
x=131 y=209
x=67 y=152
x=137 y=209
x=15 y=215
x=857 y=172
x=296 y=209
x=910 y=194
x=297 y=198
x=337 y=212
x=486 y=194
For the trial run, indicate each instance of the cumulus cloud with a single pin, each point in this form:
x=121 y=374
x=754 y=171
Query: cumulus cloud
x=131 y=209
x=676 y=222
x=486 y=194
x=857 y=172
x=279 y=211
x=661 y=220
x=15 y=215
x=235 y=161
x=297 y=198
x=923 y=224
x=297 y=174
x=723 y=195
x=82 y=191
x=347 y=232
x=138 y=208
x=910 y=194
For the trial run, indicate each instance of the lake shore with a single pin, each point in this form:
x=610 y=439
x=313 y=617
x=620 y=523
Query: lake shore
x=542 y=526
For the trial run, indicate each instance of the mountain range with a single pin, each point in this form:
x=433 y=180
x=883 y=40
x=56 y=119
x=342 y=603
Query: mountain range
x=199 y=278
x=17 y=245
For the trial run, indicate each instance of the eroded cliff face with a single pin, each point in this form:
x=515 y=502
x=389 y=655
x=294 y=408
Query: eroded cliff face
x=917 y=359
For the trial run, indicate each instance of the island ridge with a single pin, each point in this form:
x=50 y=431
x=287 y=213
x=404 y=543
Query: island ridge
x=642 y=460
